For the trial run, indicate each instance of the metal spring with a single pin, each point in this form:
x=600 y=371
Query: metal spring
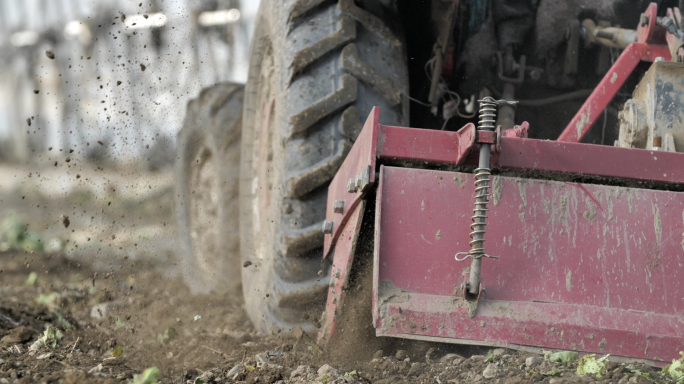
x=480 y=211
x=488 y=109
x=487 y=114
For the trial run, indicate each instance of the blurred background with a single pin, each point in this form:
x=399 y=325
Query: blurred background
x=119 y=72
x=92 y=94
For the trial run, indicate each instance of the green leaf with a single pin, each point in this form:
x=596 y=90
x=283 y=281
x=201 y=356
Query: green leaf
x=51 y=337
x=675 y=370
x=117 y=352
x=589 y=364
x=552 y=373
x=168 y=335
x=32 y=278
x=49 y=300
x=563 y=357
x=198 y=381
x=489 y=357
x=324 y=378
x=149 y=376
x=120 y=324
x=249 y=367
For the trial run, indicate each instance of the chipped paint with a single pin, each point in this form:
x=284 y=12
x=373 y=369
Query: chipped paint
x=683 y=232
x=584 y=119
x=522 y=187
x=613 y=78
x=439 y=234
x=610 y=207
x=568 y=280
x=458 y=180
x=563 y=208
x=658 y=225
x=591 y=213
x=497 y=189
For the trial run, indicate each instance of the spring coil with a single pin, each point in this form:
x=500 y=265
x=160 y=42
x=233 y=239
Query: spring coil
x=487 y=114
x=487 y=121
x=480 y=212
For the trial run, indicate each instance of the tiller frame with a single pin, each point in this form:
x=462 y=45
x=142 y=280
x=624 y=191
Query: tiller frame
x=589 y=242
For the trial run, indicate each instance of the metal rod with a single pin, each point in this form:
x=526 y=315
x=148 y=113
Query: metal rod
x=476 y=263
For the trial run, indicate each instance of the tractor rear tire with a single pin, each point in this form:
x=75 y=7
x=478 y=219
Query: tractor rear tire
x=207 y=170
x=317 y=68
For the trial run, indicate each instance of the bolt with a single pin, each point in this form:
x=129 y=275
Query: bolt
x=535 y=74
x=359 y=182
x=644 y=20
x=659 y=59
x=351 y=186
x=327 y=227
x=338 y=206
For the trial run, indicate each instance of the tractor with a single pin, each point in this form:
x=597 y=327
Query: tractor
x=540 y=206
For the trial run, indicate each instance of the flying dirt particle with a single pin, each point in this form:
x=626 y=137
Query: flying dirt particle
x=145 y=16
x=123 y=17
x=246 y=264
x=50 y=149
x=68 y=159
x=140 y=5
x=568 y=280
x=143 y=67
x=297 y=332
x=118 y=83
x=28 y=121
x=50 y=55
x=99 y=142
x=78 y=176
x=36 y=91
x=65 y=221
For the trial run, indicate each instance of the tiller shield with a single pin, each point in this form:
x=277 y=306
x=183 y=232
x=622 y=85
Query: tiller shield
x=582 y=266
x=589 y=238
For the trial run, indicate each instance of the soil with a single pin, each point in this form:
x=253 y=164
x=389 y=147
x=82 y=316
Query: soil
x=108 y=304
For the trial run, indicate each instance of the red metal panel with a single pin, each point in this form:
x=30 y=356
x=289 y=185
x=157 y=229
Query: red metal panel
x=399 y=143
x=361 y=155
x=588 y=159
x=586 y=267
x=650 y=32
x=516 y=324
x=609 y=86
x=342 y=262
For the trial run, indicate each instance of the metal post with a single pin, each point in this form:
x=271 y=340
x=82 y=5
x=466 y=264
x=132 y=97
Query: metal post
x=488 y=109
x=479 y=219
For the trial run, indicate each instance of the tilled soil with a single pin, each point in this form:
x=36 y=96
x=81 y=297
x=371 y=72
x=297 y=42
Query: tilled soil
x=149 y=316
x=114 y=290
